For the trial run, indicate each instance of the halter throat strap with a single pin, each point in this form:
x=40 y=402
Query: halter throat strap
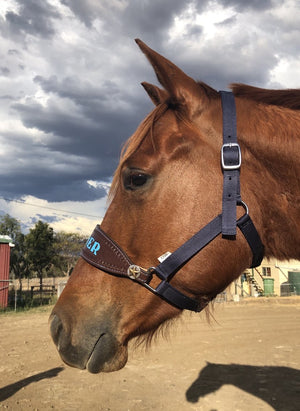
x=105 y=254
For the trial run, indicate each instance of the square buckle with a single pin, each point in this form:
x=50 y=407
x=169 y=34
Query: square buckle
x=236 y=150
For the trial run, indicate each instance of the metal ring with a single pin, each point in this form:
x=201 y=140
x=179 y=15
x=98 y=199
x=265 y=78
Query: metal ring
x=245 y=207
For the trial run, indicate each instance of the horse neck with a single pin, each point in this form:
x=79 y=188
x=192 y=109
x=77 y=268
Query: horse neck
x=271 y=161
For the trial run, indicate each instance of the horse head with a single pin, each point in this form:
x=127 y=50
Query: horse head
x=167 y=186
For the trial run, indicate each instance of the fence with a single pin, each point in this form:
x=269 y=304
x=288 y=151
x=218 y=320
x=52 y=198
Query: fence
x=30 y=293
x=288 y=289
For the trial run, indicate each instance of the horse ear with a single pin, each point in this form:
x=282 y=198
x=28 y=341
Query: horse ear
x=183 y=90
x=156 y=94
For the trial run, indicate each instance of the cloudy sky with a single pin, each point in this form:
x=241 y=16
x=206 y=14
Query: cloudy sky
x=70 y=91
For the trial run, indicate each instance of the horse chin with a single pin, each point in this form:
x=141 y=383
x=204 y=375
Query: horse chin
x=107 y=356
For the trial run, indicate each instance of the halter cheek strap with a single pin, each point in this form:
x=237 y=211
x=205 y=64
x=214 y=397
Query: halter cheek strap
x=231 y=162
x=103 y=253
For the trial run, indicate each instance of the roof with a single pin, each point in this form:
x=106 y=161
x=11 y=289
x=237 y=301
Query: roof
x=5 y=239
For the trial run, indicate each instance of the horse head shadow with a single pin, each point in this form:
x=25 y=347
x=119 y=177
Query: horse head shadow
x=277 y=386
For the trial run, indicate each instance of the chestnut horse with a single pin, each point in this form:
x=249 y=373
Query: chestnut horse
x=168 y=185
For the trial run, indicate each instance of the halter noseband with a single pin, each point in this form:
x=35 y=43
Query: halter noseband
x=103 y=253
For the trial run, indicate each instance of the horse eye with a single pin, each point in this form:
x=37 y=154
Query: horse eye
x=134 y=180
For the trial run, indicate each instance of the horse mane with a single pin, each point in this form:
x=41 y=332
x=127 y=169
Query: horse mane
x=288 y=98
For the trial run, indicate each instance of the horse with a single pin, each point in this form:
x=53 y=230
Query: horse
x=166 y=190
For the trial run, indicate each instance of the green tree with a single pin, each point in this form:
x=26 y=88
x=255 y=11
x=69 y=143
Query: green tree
x=18 y=262
x=68 y=247
x=10 y=226
x=39 y=243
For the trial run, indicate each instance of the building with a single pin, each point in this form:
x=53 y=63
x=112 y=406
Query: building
x=272 y=277
x=5 y=245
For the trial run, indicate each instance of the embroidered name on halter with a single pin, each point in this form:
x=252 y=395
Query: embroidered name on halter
x=93 y=245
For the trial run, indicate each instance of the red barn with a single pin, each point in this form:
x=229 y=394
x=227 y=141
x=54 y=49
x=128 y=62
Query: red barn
x=5 y=244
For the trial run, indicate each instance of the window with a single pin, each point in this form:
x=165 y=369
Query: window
x=266 y=271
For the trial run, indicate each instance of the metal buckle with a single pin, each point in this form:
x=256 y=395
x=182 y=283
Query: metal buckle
x=137 y=273
x=231 y=166
x=134 y=271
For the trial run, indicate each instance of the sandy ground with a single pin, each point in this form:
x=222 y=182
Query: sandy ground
x=248 y=360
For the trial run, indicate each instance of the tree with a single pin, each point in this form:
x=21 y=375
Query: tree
x=18 y=259
x=67 y=246
x=10 y=226
x=18 y=262
x=39 y=244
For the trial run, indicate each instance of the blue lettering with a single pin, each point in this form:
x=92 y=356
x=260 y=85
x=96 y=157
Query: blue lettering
x=95 y=247
x=89 y=243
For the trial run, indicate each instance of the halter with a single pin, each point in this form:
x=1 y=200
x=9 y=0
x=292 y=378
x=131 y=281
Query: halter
x=103 y=253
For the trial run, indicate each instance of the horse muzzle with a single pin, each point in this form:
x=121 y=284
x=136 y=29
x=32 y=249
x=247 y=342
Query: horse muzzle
x=92 y=346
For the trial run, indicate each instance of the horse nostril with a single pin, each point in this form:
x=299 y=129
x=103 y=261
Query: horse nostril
x=56 y=328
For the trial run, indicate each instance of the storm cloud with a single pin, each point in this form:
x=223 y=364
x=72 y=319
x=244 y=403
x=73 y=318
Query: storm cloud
x=70 y=73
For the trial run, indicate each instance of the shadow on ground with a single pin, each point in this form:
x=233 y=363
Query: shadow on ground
x=277 y=386
x=11 y=389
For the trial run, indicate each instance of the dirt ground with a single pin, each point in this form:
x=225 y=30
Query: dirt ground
x=248 y=360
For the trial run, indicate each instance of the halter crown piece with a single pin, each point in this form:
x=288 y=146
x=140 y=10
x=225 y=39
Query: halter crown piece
x=103 y=253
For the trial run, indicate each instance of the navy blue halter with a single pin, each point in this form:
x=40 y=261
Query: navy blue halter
x=102 y=252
